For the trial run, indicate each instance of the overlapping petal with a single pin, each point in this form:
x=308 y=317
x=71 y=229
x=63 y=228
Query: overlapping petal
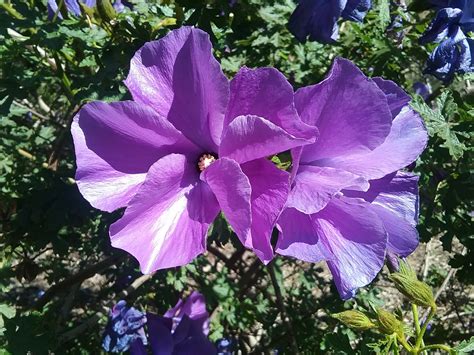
x=233 y=192
x=115 y=146
x=165 y=224
x=299 y=237
x=266 y=93
x=396 y=97
x=355 y=235
x=251 y=137
x=407 y=139
x=180 y=78
x=349 y=110
x=395 y=199
x=313 y=187
x=270 y=187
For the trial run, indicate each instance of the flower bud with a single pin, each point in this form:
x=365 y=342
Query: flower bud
x=106 y=11
x=388 y=323
x=417 y=292
x=354 y=319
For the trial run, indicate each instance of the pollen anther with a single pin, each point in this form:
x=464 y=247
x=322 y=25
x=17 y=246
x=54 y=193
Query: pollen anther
x=205 y=160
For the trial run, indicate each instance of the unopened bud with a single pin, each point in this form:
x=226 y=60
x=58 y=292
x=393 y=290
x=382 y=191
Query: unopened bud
x=106 y=11
x=354 y=319
x=388 y=323
x=393 y=263
x=406 y=270
x=416 y=291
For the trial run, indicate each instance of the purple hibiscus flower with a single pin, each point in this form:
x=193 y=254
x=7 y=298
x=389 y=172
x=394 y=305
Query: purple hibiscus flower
x=349 y=204
x=125 y=328
x=191 y=144
x=318 y=18
x=182 y=330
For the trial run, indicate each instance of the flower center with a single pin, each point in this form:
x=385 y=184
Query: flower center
x=205 y=160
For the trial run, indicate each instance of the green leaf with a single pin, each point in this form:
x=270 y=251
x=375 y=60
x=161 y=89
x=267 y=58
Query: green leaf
x=384 y=12
x=438 y=122
x=465 y=346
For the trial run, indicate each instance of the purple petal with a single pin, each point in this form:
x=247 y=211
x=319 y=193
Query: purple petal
x=194 y=307
x=299 y=237
x=165 y=224
x=356 y=10
x=251 y=137
x=314 y=186
x=233 y=192
x=397 y=98
x=159 y=334
x=73 y=7
x=406 y=141
x=115 y=146
x=349 y=110
x=270 y=187
x=266 y=93
x=395 y=199
x=195 y=345
x=444 y=24
x=137 y=348
x=180 y=78
x=52 y=6
x=355 y=235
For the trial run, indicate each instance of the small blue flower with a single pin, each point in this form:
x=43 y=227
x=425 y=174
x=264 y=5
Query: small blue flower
x=450 y=57
x=317 y=19
x=124 y=328
x=73 y=7
x=455 y=51
x=225 y=346
x=421 y=89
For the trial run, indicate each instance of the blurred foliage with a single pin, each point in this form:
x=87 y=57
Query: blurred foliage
x=49 y=235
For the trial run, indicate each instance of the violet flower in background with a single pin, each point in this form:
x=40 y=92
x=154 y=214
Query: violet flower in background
x=124 y=328
x=454 y=54
x=349 y=204
x=191 y=144
x=182 y=330
x=225 y=346
x=317 y=19
x=73 y=7
x=422 y=89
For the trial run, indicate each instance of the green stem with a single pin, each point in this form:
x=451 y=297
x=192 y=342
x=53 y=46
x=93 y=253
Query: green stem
x=11 y=11
x=437 y=346
x=419 y=338
x=416 y=321
x=394 y=345
x=404 y=343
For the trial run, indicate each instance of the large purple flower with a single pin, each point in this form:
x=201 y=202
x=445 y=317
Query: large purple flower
x=191 y=144
x=348 y=202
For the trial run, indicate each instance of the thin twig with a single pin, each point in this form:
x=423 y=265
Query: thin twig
x=88 y=323
x=76 y=278
x=281 y=305
x=439 y=292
